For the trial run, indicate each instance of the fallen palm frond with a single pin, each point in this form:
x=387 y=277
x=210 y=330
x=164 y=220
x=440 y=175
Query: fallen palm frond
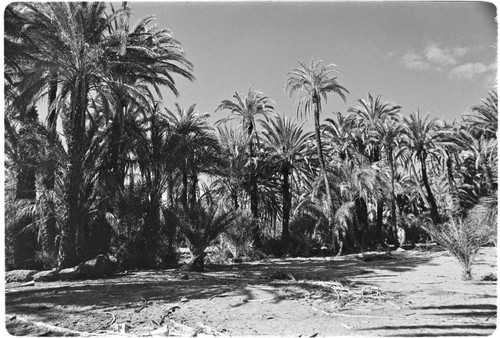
x=341 y=293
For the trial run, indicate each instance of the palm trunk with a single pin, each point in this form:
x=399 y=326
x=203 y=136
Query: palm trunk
x=194 y=185
x=184 y=190
x=149 y=233
x=73 y=228
x=362 y=215
x=287 y=203
x=198 y=264
x=380 y=224
x=118 y=163
x=393 y=204
x=430 y=195
x=48 y=228
x=254 y=200
x=317 y=111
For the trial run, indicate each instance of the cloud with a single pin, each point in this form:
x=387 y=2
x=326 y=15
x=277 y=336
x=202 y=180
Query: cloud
x=444 y=56
x=414 y=61
x=470 y=70
x=435 y=57
x=445 y=59
x=389 y=55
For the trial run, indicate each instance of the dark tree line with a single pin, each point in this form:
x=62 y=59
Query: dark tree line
x=113 y=170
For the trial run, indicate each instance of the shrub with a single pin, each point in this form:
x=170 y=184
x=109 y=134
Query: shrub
x=201 y=226
x=238 y=239
x=462 y=237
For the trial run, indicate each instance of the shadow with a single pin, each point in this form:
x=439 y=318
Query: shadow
x=461 y=306
x=135 y=290
x=439 y=330
x=442 y=334
x=469 y=310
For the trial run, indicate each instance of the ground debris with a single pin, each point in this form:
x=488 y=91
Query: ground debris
x=340 y=292
x=175 y=329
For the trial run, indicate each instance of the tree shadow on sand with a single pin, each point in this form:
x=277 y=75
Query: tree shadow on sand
x=135 y=290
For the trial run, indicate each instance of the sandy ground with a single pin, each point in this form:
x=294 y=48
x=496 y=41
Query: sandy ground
x=409 y=293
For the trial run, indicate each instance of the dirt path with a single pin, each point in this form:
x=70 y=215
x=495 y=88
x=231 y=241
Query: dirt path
x=411 y=293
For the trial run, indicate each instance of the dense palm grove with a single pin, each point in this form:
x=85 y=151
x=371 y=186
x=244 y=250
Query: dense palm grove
x=113 y=169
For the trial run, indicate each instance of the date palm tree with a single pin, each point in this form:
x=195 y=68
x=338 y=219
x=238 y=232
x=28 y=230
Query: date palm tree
x=387 y=134
x=68 y=38
x=195 y=145
x=422 y=136
x=138 y=59
x=286 y=146
x=364 y=119
x=83 y=58
x=201 y=225
x=484 y=117
x=228 y=178
x=246 y=109
x=313 y=83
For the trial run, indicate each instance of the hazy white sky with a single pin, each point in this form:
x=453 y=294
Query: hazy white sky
x=439 y=57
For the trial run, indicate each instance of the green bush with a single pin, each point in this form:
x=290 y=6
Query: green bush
x=461 y=237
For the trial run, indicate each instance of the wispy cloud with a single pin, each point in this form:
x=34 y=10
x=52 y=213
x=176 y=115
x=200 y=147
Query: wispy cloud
x=470 y=70
x=448 y=59
x=443 y=56
x=414 y=61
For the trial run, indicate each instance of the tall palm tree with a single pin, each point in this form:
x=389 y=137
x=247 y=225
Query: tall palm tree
x=195 y=144
x=228 y=179
x=157 y=158
x=246 y=109
x=364 y=119
x=313 y=83
x=138 y=59
x=68 y=37
x=422 y=143
x=356 y=181
x=387 y=133
x=83 y=58
x=286 y=146
x=339 y=134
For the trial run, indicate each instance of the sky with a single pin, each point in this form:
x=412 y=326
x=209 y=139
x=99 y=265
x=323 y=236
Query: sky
x=436 y=57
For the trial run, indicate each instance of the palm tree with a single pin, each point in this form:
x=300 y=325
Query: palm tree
x=195 y=144
x=157 y=157
x=422 y=143
x=286 y=146
x=84 y=59
x=246 y=109
x=312 y=83
x=137 y=60
x=364 y=119
x=201 y=225
x=387 y=134
x=228 y=178
x=484 y=117
x=67 y=38
x=340 y=137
